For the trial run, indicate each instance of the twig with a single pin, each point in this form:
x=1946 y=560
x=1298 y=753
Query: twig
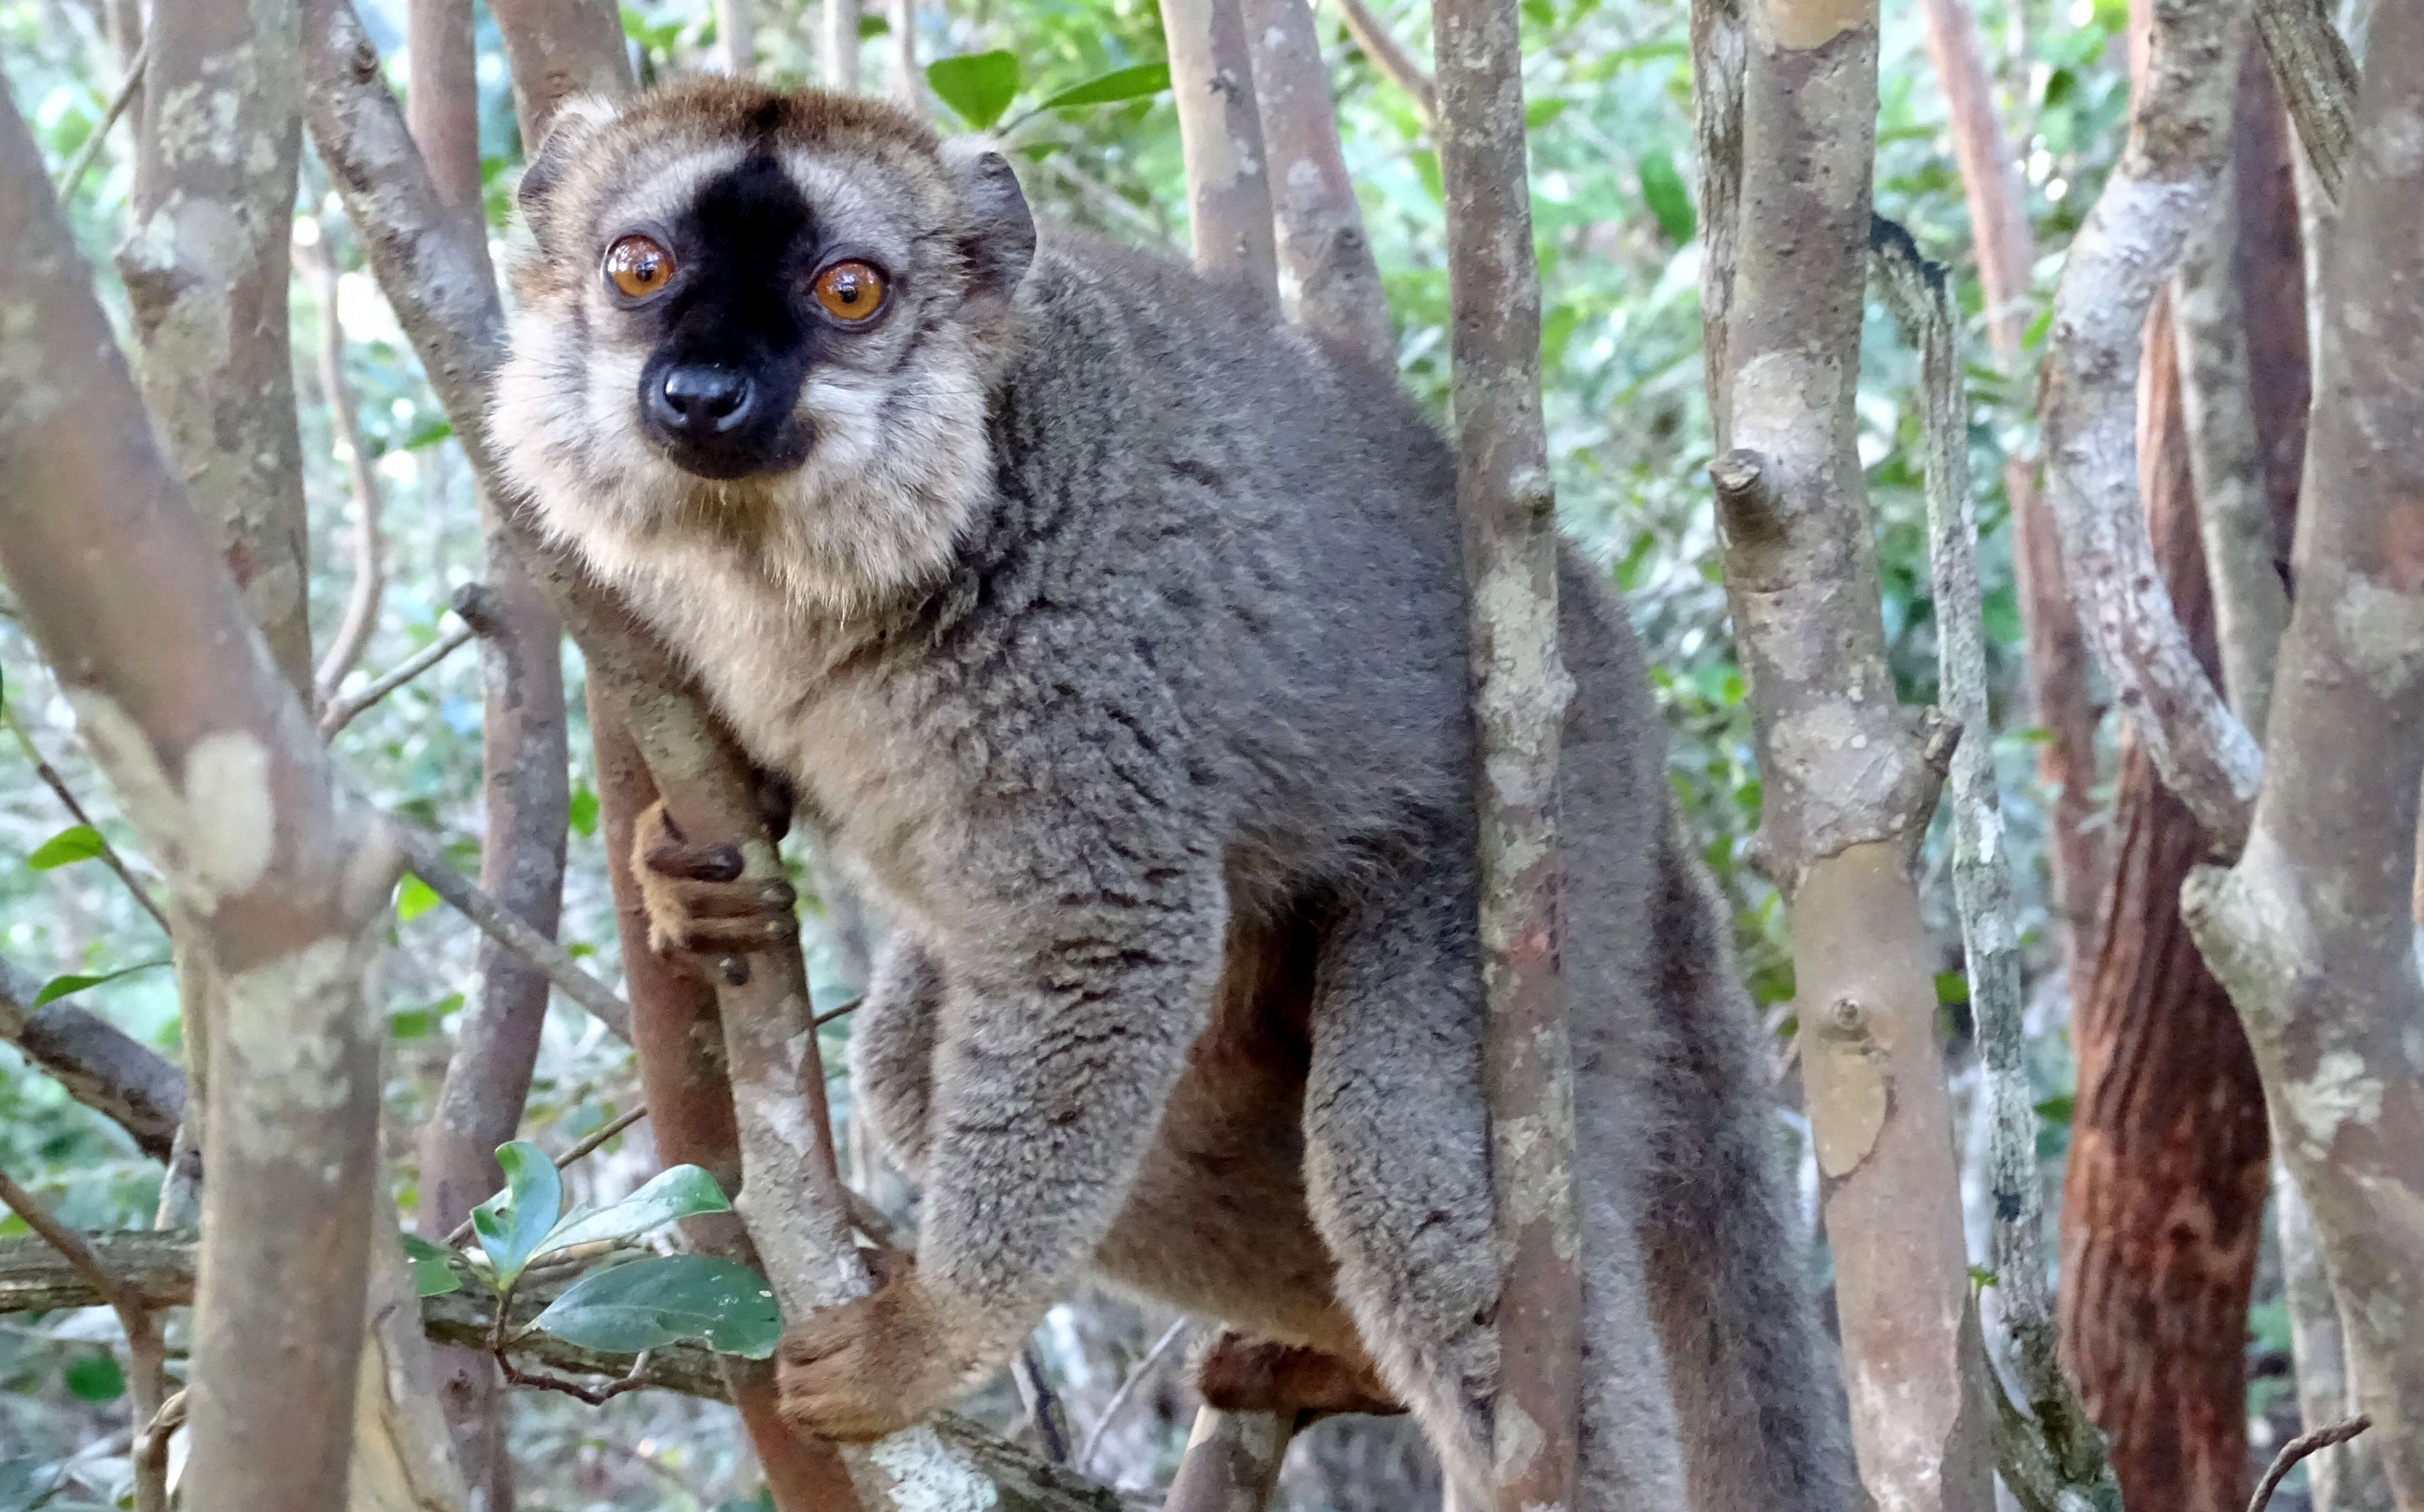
x=1372 y=35
x=147 y=1379
x=337 y=713
x=1043 y=1405
x=832 y=1013
x=2297 y=1449
x=57 y=785
x=1144 y=1369
x=370 y=586
x=90 y=147
x=613 y=1127
x=499 y=1338
x=421 y=859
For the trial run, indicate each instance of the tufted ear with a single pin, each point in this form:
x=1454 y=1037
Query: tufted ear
x=1001 y=236
x=575 y=122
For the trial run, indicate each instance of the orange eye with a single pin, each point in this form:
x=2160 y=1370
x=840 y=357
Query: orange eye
x=850 y=291
x=638 y=267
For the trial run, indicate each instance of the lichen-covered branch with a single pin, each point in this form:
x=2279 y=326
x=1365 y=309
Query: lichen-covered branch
x=2311 y=929
x=278 y=879
x=1915 y=291
x=2179 y=138
x=1220 y=137
x=101 y=1066
x=1328 y=280
x=2318 y=78
x=1521 y=693
x=1787 y=94
x=370 y=568
x=1231 y=1462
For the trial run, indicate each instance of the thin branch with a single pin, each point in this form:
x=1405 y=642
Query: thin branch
x=337 y=713
x=58 y=786
x=2297 y=1449
x=1916 y=292
x=100 y=1065
x=90 y=149
x=2180 y=139
x=421 y=859
x=1043 y=1409
x=2318 y=78
x=369 y=576
x=1373 y=37
x=613 y=1127
x=1127 y=1390
x=147 y=1379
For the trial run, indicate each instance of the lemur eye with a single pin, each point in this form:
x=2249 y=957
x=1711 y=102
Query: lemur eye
x=850 y=291
x=638 y=267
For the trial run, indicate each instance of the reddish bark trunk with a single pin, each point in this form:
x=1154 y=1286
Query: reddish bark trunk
x=2163 y=1200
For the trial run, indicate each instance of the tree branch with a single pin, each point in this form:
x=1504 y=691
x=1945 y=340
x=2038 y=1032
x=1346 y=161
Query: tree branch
x=2179 y=138
x=1221 y=136
x=2297 y=1449
x=2318 y=78
x=421 y=859
x=73 y=175
x=65 y=795
x=319 y=269
x=1373 y=37
x=337 y=713
x=101 y=1066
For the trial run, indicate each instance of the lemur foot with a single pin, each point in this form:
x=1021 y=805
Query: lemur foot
x=868 y=1368
x=700 y=906
x=1243 y=1375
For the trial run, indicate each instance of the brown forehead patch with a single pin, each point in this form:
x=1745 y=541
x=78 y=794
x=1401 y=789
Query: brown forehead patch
x=719 y=108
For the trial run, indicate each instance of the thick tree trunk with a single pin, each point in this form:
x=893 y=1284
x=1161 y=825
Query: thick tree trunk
x=280 y=881
x=2056 y=650
x=2311 y=931
x=1850 y=778
x=2163 y=1198
x=1221 y=136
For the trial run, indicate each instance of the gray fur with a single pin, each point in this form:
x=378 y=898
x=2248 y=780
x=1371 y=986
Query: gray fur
x=1118 y=636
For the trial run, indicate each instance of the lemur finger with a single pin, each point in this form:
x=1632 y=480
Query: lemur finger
x=731 y=899
x=696 y=863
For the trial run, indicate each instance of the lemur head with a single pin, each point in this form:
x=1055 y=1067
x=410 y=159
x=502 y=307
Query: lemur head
x=764 y=319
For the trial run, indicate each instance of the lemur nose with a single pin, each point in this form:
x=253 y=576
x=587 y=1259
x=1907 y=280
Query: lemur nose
x=700 y=402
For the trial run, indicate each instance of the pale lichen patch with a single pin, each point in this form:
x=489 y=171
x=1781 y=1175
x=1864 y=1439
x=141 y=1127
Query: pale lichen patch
x=2340 y=1091
x=923 y=1475
x=231 y=818
x=2384 y=632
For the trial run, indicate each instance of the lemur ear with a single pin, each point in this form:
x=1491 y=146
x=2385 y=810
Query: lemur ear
x=1001 y=235
x=575 y=122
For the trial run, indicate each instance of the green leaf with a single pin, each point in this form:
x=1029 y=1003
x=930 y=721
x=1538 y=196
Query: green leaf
x=582 y=814
x=645 y=1304
x=77 y=842
x=2056 y=1110
x=58 y=987
x=678 y=1192
x=1427 y=166
x=1541 y=112
x=977 y=87
x=512 y=1223
x=411 y=1023
x=1661 y=189
x=1136 y=83
x=413 y=898
x=1951 y=987
x=1556 y=329
x=95 y=1378
x=428 y=433
x=431 y=1274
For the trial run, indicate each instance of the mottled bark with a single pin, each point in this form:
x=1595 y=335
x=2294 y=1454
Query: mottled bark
x=2317 y=77
x=116 y=1076
x=1389 y=57
x=2179 y=138
x=1328 y=281
x=2346 y=1477
x=1231 y=1462
x=524 y=792
x=2056 y=653
x=1921 y=303
x=837 y=44
x=1221 y=136
x=280 y=882
x=1849 y=776
x=2311 y=929
x=1521 y=692
x=205 y=267
x=2163 y=1194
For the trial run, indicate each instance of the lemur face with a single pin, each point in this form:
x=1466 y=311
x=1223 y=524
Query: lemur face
x=761 y=315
